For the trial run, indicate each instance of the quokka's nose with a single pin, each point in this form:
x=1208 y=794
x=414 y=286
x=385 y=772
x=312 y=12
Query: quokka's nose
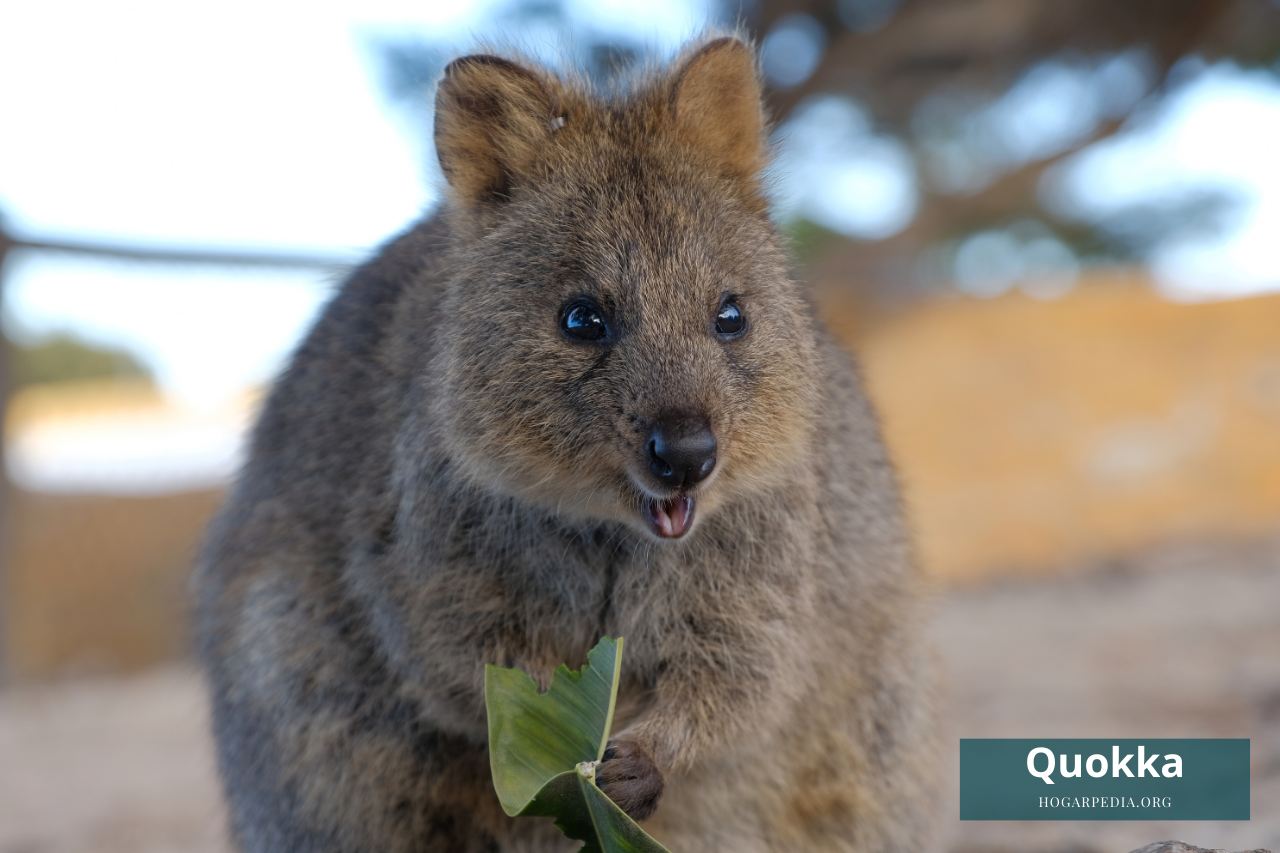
x=682 y=450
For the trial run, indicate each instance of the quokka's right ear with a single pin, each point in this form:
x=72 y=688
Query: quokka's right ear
x=718 y=106
x=492 y=117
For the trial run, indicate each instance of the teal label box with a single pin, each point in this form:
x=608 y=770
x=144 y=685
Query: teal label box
x=1090 y=779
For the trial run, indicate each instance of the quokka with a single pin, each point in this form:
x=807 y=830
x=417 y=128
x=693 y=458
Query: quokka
x=586 y=398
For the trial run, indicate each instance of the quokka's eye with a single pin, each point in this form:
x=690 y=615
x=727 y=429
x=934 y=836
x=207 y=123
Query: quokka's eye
x=583 y=320
x=730 y=321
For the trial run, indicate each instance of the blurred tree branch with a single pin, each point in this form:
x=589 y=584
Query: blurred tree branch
x=983 y=46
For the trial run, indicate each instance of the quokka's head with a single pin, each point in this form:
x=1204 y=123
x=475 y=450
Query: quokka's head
x=622 y=340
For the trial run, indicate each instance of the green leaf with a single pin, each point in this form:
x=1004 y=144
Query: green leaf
x=544 y=748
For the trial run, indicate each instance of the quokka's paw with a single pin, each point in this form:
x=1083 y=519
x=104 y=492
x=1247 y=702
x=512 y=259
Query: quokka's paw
x=629 y=777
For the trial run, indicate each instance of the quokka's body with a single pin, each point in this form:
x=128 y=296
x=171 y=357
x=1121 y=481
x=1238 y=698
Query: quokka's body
x=585 y=400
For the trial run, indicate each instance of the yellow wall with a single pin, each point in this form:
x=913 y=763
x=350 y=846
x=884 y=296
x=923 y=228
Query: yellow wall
x=1035 y=434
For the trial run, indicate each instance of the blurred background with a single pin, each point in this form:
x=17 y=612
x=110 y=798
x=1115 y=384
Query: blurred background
x=1048 y=230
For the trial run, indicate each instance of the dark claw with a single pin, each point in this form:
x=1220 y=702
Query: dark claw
x=629 y=777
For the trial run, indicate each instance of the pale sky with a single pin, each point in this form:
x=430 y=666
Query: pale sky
x=1222 y=131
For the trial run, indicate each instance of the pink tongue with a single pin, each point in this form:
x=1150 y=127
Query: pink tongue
x=672 y=516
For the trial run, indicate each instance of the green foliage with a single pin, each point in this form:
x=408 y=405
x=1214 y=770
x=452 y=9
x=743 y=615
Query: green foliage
x=544 y=749
x=807 y=239
x=63 y=357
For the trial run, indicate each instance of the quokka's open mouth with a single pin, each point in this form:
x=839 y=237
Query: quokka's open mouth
x=670 y=518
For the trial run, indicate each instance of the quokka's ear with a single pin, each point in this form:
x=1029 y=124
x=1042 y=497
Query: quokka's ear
x=718 y=106
x=492 y=117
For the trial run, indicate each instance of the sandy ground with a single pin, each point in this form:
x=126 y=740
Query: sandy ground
x=1182 y=642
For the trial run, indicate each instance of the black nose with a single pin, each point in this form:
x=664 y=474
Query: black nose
x=682 y=450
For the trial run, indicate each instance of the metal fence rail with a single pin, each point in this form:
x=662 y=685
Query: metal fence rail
x=115 y=251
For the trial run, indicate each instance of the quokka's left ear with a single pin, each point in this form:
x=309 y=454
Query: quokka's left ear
x=493 y=117
x=718 y=107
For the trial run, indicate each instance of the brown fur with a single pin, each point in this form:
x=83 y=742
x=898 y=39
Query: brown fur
x=441 y=479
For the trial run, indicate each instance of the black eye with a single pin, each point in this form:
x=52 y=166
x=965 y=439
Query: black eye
x=730 y=321
x=583 y=320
